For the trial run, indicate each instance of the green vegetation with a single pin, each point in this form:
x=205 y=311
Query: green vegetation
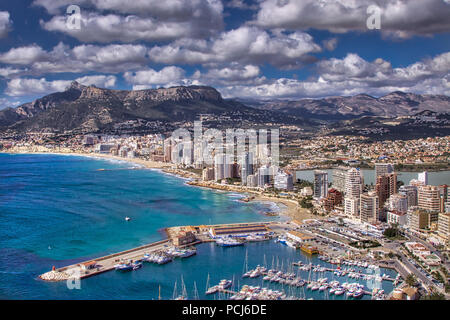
x=393 y=233
x=306 y=202
x=303 y=184
x=365 y=244
x=433 y=296
x=411 y=280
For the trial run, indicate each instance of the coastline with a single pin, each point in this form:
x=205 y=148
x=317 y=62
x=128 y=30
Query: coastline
x=290 y=210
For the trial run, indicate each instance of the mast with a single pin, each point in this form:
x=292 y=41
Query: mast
x=196 y=297
x=174 y=295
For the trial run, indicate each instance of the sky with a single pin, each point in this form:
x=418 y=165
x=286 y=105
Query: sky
x=255 y=49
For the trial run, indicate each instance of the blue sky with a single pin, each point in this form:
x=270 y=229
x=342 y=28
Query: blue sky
x=263 y=49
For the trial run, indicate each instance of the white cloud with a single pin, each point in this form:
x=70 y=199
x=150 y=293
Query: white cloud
x=23 y=55
x=244 y=44
x=400 y=18
x=28 y=87
x=354 y=75
x=84 y=58
x=5 y=23
x=150 y=20
x=147 y=78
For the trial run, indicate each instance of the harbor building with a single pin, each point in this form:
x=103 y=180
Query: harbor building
x=428 y=198
x=238 y=229
x=369 y=207
x=383 y=168
x=354 y=183
x=339 y=178
x=444 y=225
x=320 y=184
x=284 y=181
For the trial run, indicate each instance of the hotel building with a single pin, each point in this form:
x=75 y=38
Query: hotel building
x=320 y=184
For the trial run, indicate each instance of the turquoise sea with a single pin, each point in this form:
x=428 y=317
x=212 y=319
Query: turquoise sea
x=58 y=210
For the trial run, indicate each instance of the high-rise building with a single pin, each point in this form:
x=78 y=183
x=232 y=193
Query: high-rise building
x=398 y=202
x=222 y=167
x=428 y=198
x=351 y=207
x=383 y=168
x=252 y=181
x=208 y=174
x=246 y=166
x=423 y=177
x=369 y=207
x=417 y=218
x=333 y=199
x=411 y=193
x=353 y=183
x=444 y=225
x=284 y=181
x=263 y=176
x=443 y=192
x=167 y=150
x=386 y=185
x=320 y=184
x=339 y=178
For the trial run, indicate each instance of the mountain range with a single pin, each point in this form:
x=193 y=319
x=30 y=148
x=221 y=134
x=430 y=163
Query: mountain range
x=350 y=107
x=83 y=109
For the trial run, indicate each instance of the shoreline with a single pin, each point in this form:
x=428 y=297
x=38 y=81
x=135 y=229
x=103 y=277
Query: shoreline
x=291 y=210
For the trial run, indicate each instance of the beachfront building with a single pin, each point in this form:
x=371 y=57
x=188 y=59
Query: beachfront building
x=208 y=174
x=369 y=207
x=423 y=177
x=320 y=184
x=284 y=181
x=263 y=176
x=246 y=166
x=222 y=166
x=252 y=180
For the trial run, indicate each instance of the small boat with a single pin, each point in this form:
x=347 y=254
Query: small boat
x=228 y=242
x=123 y=267
x=212 y=290
x=339 y=291
x=358 y=294
x=136 y=265
x=225 y=284
x=163 y=259
x=127 y=218
x=188 y=253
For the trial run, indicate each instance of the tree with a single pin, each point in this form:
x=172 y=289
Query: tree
x=411 y=280
x=434 y=296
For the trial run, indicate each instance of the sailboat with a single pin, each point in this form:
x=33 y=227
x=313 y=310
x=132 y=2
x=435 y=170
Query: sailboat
x=245 y=272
